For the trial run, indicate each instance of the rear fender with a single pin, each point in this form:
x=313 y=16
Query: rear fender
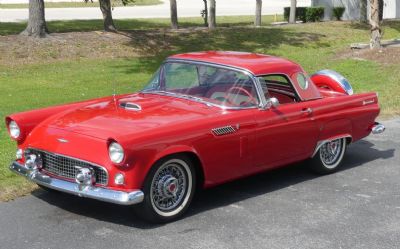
x=340 y=128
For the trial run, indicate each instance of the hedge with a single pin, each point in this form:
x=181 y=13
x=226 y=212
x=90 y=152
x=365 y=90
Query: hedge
x=305 y=14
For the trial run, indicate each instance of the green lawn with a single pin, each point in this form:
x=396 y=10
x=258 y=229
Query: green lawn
x=314 y=46
x=77 y=4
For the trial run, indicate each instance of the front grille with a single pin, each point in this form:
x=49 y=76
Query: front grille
x=66 y=167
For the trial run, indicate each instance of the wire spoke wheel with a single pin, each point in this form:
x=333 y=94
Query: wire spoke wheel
x=171 y=187
x=330 y=152
x=329 y=156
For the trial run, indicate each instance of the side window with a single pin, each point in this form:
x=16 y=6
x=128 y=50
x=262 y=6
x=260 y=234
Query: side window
x=276 y=79
x=302 y=81
x=180 y=75
x=279 y=87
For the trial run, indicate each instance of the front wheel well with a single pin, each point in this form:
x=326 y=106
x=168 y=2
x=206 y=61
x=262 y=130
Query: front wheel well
x=196 y=164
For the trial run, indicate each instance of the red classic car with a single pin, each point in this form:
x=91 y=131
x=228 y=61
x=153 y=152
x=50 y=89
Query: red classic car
x=203 y=119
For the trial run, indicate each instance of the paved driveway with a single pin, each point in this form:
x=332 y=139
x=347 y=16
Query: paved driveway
x=186 y=8
x=358 y=207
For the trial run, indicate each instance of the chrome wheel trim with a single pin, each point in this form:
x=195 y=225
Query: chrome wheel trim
x=171 y=187
x=331 y=153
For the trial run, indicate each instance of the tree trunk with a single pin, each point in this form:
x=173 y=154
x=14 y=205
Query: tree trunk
x=212 y=24
x=292 y=16
x=363 y=11
x=105 y=7
x=374 y=22
x=257 y=21
x=36 y=23
x=205 y=13
x=174 y=14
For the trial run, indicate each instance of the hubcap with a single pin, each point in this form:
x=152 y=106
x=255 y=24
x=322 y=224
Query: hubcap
x=330 y=152
x=169 y=187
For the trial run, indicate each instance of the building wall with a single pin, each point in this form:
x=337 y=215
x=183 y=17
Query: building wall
x=352 y=12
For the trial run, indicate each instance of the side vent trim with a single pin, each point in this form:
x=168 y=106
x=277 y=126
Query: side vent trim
x=223 y=130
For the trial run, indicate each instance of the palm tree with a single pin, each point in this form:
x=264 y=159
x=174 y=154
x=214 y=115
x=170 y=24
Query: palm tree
x=292 y=16
x=257 y=21
x=174 y=14
x=212 y=24
x=376 y=34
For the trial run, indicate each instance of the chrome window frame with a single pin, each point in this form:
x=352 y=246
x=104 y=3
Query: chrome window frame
x=261 y=98
x=288 y=78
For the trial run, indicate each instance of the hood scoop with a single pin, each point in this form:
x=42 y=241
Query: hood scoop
x=130 y=106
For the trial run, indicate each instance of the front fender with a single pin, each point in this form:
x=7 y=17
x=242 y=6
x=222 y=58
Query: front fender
x=142 y=170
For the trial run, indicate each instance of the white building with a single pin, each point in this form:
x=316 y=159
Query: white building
x=391 y=8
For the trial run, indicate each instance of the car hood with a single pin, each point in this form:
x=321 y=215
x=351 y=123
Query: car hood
x=122 y=116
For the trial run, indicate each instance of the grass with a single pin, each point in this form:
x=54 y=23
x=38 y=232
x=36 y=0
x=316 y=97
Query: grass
x=77 y=4
x=315 y=46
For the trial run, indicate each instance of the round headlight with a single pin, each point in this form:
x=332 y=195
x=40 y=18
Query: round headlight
x=13 y=127
x=116 y=152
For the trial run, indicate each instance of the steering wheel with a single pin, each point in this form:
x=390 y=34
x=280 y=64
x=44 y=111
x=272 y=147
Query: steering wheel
x=251 y=99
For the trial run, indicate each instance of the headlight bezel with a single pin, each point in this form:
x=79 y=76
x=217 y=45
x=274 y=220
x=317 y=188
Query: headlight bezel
x=14 y=130
x=116 y=152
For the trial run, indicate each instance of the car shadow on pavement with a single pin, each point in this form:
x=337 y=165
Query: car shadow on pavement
x=358 y=154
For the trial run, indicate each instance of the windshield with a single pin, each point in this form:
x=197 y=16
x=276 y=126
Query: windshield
x=219 y=86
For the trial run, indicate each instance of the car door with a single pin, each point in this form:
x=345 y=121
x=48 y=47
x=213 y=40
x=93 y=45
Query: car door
x=285 y=133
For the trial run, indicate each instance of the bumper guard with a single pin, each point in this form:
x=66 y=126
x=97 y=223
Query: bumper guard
x=378 y=128
x=102 y=194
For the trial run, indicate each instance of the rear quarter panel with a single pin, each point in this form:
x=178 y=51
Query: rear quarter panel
x=345 y=115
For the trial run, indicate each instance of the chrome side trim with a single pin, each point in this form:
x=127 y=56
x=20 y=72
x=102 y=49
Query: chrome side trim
x=101 y=194
x=378 y=128
x=223 y=130
x=322 y=142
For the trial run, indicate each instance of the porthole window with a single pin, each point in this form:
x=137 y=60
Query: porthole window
x=302 y=81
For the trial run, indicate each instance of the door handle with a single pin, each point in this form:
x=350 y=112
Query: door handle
x=307 y=110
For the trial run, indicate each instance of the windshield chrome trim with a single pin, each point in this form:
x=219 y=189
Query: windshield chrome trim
x=256 y=83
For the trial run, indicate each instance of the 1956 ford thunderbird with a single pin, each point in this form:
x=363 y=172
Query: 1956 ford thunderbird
x=203 y=119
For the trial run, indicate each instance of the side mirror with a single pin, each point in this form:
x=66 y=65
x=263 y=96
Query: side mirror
x=272 y=102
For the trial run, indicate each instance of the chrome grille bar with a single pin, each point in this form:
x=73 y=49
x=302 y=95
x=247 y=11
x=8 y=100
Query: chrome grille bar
x=67 y=167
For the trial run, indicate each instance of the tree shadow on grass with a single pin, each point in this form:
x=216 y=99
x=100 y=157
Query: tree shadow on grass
x=156 y=45
x=358 y=154
x=394 y=24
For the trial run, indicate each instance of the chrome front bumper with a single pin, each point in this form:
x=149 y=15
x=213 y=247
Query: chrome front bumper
x=378 y=128
x=102 y=194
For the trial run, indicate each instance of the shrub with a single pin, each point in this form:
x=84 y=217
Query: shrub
x=338 y=12
x=300 y=13
x=305 y=14
x=314 y=14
